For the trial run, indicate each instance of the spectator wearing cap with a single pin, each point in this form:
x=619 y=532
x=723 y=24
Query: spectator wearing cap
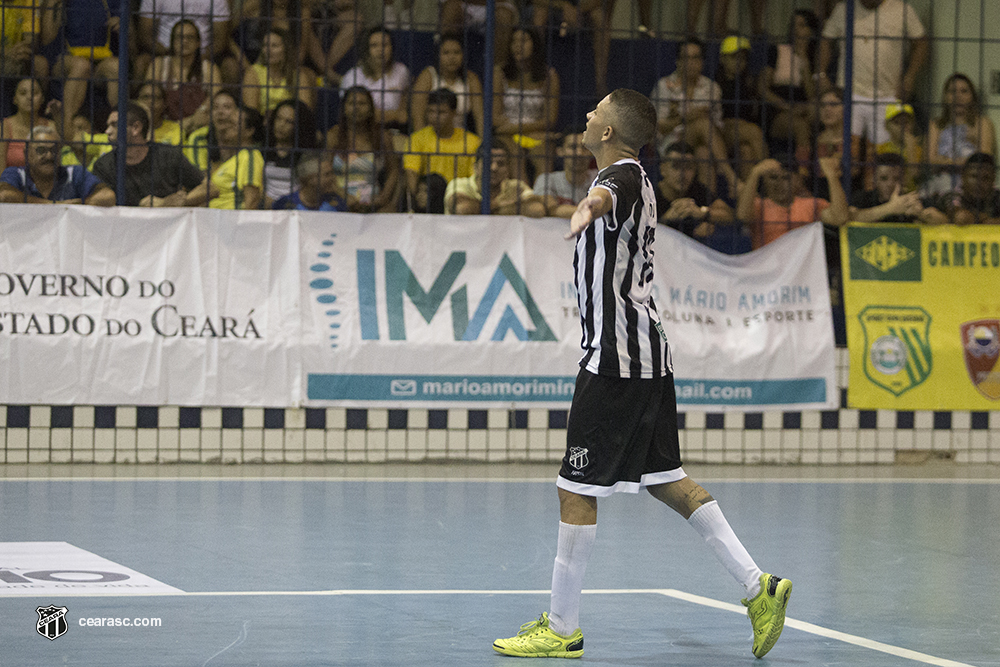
x=42 y=180
x=508 y=196
x=975 y=201
x=741 y=105
x=317 y=188
x=900 y=123
x=441 y=148
x=889 y=200
x=785 y=204
x=686 y=204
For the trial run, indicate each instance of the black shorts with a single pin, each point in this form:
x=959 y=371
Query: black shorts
x=621 y=436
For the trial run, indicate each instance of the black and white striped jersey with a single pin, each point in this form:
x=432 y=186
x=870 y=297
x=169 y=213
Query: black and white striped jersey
x=613 y=267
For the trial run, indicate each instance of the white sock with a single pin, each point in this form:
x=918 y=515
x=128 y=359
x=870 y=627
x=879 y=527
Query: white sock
x=717 y=533
x=572 y=554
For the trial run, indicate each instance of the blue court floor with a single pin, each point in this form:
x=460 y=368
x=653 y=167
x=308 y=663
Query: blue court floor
x=426 y=565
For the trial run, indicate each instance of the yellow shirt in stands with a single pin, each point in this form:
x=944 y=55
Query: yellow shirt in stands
x=17 y=20
x=271 y=94
x=196 y=148
x=246 y=168
x=452 y=158
x=169 y=132
x=97 y=144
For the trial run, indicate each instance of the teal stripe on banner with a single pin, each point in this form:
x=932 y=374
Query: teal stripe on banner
x=750 y=392
x=521 y=388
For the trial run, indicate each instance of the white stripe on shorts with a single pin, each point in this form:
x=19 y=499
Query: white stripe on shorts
x=649 y=479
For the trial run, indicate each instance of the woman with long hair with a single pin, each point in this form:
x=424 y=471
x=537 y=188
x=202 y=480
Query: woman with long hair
x=830 y=143
x=290 y=134
x=958 y=132
x=387 y=79
x=14 y=130
x=277 y=75
x=366 y=166
x=526 y=101
x=450 y=73
x=787 y=83
x=187 y=79
x=227 y=152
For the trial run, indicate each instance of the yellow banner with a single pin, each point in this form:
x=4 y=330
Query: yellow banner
x=923 y=316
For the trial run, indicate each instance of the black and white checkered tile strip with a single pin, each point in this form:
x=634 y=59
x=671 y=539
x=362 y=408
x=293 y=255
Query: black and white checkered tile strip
x=172 y=434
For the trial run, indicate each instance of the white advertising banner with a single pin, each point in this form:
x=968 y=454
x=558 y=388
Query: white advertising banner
x=432 y=310
x=748 y=332
x=199 y=307
x=147 y=307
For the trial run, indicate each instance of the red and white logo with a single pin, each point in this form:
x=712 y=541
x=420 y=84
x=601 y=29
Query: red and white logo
x=981 y=344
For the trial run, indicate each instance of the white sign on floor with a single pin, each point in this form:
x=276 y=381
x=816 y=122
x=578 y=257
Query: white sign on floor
x=58 y=568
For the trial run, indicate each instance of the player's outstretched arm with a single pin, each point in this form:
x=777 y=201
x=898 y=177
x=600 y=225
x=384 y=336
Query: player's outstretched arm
x=591 y=207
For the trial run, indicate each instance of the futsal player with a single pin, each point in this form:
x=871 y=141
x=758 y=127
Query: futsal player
x=622 y=431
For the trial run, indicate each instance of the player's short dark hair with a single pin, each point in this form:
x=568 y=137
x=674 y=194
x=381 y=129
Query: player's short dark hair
x=136 y=113
x=633 y=117
x=443 y=96
x=889 y=160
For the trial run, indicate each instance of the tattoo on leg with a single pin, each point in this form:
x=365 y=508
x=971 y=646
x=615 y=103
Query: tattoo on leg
x=697 y=497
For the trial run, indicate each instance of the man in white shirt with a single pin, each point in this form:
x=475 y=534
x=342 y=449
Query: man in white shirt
x=884 y=30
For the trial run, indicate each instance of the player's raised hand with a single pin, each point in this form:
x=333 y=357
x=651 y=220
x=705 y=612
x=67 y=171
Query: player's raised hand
x=584 y=214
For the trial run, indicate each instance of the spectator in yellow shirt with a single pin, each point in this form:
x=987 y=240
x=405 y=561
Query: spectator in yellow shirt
x=19 y=40
x=235 y=165
x=440 y=148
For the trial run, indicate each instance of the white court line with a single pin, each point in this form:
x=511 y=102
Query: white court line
x=512 y=480
x=669 y=592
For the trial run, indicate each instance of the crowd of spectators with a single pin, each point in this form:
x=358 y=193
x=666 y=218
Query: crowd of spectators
x=310 y=104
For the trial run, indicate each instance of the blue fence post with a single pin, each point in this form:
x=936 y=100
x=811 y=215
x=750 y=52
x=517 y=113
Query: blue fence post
x=487 y=145
x=123 y=96
x=845 y=156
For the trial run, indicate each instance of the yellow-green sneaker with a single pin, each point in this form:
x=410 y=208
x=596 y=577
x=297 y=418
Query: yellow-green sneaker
x=536 y=640
x=767 y=612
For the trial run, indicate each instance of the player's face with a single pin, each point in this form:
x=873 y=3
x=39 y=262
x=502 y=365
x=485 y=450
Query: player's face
x=597 y=123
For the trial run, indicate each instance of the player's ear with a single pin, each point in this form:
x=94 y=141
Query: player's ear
x=608 y=133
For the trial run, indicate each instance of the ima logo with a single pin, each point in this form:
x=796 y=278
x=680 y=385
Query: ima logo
x=400 y=281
